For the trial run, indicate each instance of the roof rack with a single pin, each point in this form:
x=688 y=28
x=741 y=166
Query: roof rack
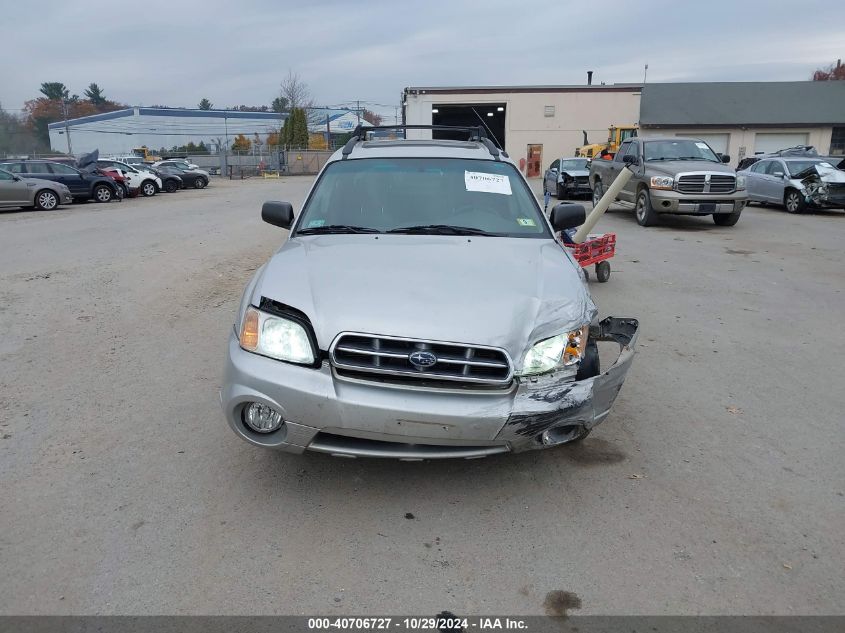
x=476 y=133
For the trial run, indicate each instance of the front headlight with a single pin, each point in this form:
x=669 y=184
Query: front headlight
x=275 y=337
x=740 y=183
x=563 y=350
x=662 y=182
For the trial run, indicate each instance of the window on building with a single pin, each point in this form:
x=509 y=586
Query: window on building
x=837 y=141
x=548 y=111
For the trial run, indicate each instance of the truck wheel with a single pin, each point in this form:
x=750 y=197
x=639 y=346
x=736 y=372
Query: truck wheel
x=103 y=193
x=46 y=200
x=727 y=219
x=560 y=193
x=598 y=192
x=794 y=201
x=603 y=271
x=646 y=215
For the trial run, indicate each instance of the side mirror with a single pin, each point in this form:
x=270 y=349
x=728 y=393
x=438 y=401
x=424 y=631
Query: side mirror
x=629 y=159
x=726 y=158
x=16 y=177
x=277 y=213
x=553 y=170
x=778 y=174
x=567 y=216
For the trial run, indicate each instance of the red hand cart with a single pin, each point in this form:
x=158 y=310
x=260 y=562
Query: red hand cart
x=597 y=249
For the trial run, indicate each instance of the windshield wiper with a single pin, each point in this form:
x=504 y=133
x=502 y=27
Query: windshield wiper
x=442 y=229
x=709 y=160
x=336 y=228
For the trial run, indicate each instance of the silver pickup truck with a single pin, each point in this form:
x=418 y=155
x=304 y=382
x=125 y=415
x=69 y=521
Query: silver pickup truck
x=672 y=175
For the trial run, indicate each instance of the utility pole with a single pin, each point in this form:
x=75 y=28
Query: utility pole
x=328 y=133
x=645 y=73
x=358 y=111
x=67 y=127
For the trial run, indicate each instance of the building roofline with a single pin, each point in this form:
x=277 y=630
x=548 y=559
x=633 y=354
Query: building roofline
x=415 y=90
x=173 y=112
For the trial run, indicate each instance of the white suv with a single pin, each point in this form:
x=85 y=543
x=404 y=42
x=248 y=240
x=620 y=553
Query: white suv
x=136 y=176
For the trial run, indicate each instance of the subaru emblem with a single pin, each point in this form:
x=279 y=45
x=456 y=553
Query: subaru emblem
x=422 y=359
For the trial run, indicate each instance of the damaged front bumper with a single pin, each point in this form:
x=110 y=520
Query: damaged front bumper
x=324 y=412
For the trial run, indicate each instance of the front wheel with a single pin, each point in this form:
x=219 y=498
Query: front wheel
x=171 y=186
x=148 y=188
x=727 y=219
x=598 y=192
x=794 y=201
x=200 y=183
x=646 y=215
x=103 y=193
x=46 y=200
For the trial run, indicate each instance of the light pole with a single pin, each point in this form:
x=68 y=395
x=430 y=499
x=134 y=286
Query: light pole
x=67 y=127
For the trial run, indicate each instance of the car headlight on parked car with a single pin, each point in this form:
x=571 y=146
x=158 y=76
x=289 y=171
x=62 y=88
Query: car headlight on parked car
x=662 y=182
x=563 y=350
x=740 y=182
x=276 y=337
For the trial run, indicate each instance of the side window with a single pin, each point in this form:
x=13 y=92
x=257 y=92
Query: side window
x=15 y=168
x=38 y=168
x=626 y=146
x=4 y=175
x=64 y=170
x=634 y=149
x=760 y=166
x=774 y=167
x=555 y=165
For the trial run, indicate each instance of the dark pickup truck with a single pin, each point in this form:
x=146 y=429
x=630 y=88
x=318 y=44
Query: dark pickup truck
x=672 y=175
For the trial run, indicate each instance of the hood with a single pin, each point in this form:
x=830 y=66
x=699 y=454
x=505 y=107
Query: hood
x=576 y=172
x=672 y=167
x=827 y=173
x=502 y=292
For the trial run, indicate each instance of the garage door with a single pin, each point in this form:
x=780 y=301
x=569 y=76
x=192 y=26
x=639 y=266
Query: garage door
x=773 y=141
x=718 y=142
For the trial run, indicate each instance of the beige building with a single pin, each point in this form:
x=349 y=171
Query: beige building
x=746 y=118
x=537 y=124
x=534 y=124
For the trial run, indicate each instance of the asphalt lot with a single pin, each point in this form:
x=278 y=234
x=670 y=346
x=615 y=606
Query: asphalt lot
x=715 y=487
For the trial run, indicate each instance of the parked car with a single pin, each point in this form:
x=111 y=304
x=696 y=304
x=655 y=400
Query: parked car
x=119 y=177
x=420 y=308
x=673 y=175
x=807 y=151
x=568 y=177
x=182 y=163
x=131 y=159
x=170 y=181
x=17 y=191
x=796 y=183
x=190 y=178
x=138 y=177
x=82 y=185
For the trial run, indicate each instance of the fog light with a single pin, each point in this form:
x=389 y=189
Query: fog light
x=261 y=418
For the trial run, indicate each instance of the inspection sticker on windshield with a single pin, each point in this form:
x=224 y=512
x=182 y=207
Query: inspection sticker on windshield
x=701 y=145
x=526 y=222
x=488 y=183
x=315 y=223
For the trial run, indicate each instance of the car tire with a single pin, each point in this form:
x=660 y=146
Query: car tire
x=598 y=192
x=646 y=215
x=200 y=183
x=123 y=186
x=727 y=219
x=590 y=365
x=794 y=202
x=46 y=200
x=148 y=188
x=171 y=186
x=103 y=193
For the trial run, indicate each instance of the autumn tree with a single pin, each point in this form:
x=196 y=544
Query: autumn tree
x=295 y=92
x=830 y=73
x=205 y=104
x=371 y=117
x=241 y=143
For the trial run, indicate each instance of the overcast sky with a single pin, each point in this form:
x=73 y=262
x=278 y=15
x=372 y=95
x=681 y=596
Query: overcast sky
x=145 y=52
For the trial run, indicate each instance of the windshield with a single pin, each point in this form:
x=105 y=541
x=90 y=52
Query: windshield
x=797 y=166
x=679 y=150
x=436 y=195
x=574 y=164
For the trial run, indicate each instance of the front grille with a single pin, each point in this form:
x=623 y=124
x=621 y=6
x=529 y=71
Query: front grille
x=582 y=181
x=836 y=193
x=706 y=183
x=373 y=356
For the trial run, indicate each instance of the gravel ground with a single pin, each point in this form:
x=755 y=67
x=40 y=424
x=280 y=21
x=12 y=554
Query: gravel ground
x=715 y=487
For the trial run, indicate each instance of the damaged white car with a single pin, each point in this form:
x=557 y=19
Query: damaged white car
x=798 y=183
x=420 y=308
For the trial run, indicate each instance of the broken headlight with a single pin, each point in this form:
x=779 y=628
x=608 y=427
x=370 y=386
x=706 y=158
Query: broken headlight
x=563 y=350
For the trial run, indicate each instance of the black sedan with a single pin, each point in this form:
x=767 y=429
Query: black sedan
x=169 y=182
x=194 y=179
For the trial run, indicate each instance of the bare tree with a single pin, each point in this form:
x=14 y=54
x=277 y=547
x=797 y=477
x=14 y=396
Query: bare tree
x=295 y=92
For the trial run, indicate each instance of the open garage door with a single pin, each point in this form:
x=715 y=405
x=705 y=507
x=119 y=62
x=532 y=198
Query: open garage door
x=717 y=142
x=767 y=142
x=490 y=116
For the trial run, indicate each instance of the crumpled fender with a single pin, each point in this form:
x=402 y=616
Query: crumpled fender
x=548 y=401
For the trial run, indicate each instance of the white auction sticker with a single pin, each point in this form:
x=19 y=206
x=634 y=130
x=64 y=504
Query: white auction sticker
x=700 y=145
x=488 y=183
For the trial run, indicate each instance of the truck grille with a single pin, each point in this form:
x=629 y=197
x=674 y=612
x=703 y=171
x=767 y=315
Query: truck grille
x=373 y=356
x=706 y=183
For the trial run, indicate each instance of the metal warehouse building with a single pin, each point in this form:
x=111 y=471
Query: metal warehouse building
x=537 y=124
x=119 y=131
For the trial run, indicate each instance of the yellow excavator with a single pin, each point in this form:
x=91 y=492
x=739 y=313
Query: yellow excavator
x=145 y=153
x=615 y=135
